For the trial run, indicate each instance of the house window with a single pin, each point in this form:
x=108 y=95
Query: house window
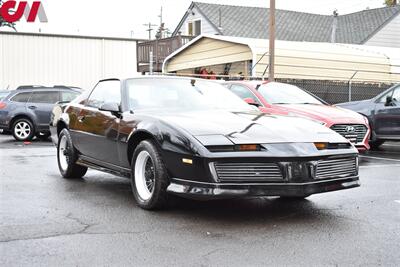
x=194 y=28
x=190 y=28
x=197 y=27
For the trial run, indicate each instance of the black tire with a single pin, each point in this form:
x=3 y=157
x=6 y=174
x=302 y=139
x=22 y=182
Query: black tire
x=20 y=128
x=158 y=197
x=376 y=144
x=68 y=169
x=43 y=136
x=296 y=198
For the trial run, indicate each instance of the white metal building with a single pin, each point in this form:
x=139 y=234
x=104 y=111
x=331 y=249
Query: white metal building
x=48 y=59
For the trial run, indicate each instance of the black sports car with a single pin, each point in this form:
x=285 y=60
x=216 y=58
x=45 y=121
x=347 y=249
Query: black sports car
x=196 y=139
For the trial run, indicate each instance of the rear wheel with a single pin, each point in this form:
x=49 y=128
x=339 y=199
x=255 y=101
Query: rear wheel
x=23 y=130
x=149 y=178
x=67 y=157
x=43 y=135
x=376 y=144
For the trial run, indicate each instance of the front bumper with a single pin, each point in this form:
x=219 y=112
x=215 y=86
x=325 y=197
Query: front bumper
x=208 y=191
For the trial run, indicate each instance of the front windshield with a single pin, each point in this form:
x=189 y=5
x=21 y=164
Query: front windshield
x=181 y=94
x=281 y=93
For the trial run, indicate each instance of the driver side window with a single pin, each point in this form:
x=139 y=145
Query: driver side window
x=383 y=98
x=243 y=92
x=106 y=91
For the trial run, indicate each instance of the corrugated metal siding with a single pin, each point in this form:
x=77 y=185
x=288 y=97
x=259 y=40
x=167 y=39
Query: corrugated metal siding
x=388 y=36
x=51 y=60
x=209 y=52
x=206 y=27
x=295 y=60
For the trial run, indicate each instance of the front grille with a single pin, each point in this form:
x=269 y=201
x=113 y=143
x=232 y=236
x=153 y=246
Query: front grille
x=248 y=172
x=355 y=133
x=336 y=168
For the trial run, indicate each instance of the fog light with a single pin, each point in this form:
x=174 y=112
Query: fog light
x=187 y=161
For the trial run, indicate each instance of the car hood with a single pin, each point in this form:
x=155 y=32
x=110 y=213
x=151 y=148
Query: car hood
x=253 y=127
x=325 y=113
x=359 y=106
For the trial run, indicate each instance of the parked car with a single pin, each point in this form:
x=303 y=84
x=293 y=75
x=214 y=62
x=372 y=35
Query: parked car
x=194 y=138
x=281 y=98
x=383 y=113
x=25 y=112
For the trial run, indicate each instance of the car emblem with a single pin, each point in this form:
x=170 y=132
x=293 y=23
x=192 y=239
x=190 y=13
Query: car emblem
x=350 y=129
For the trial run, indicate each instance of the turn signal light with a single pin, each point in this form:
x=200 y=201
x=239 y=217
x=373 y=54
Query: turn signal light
x=321 y=146
x=249 y=147
x=2 y=105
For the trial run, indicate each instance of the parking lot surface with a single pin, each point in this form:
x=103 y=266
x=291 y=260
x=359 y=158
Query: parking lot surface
x=49 y=221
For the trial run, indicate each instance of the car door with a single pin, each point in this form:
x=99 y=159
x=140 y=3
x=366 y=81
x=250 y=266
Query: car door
x=98 y=130
x=387 y=117
x=40 y=105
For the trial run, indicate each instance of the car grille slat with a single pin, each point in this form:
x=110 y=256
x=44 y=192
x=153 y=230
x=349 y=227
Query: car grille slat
x=354 y=132
x=248 y=172
x=330 y=168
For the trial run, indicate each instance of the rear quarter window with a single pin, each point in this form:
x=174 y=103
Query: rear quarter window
x=21 y=97
x=68 y=95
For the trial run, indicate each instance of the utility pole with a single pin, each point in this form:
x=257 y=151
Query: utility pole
x=150 y=28
x=334 y=26
x=271 y=76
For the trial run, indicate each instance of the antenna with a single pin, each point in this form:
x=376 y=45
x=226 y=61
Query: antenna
x=150 y=28
x=160 y=16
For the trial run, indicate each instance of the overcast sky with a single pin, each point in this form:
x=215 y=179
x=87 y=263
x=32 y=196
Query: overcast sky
x=121 y=18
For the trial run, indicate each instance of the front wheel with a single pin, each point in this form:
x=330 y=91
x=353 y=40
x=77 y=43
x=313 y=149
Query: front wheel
x=149 y=178
x=67 y=157
x=295 y=198
x=23 y=130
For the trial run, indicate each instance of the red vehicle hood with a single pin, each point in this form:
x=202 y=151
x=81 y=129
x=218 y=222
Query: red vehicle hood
x=324 y=113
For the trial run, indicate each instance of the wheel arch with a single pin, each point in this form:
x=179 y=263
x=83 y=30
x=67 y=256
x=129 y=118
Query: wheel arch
x=21 y=116
x=137 y=137
x=60 y=126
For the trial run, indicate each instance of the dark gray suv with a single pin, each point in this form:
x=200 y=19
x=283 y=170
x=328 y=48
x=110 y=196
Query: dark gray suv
x=25 y=112
x=383 y=113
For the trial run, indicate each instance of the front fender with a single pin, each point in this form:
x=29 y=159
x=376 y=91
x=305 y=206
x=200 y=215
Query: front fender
x=169 y=138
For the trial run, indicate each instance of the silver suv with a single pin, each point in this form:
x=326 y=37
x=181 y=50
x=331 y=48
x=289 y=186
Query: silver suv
x=25 y=112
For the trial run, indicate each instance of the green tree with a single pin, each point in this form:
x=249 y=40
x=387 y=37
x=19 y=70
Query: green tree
x=390 y=2
x=4 y=23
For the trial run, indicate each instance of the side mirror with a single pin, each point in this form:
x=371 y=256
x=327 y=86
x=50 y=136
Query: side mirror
x=111 y=107
x=251 y=101
x=388 y=101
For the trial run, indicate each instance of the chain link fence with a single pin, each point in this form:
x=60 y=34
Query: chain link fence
x=335 y=92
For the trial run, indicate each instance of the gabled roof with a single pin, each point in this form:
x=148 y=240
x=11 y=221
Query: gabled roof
x=252 y=22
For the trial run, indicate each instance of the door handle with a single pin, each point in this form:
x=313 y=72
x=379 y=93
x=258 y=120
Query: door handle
x=32 y=107
x=81 y=118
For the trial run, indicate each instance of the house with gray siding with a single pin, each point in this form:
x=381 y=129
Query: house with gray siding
x=376 y=27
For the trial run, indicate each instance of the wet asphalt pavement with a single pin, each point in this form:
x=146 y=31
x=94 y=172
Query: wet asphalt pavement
x=50 y=221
